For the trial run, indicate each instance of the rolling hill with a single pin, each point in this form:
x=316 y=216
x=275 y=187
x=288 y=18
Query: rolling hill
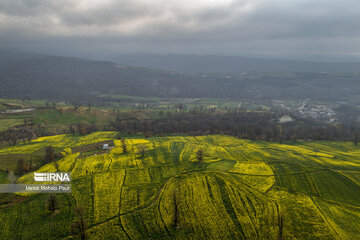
x=242 y=190
x=33 y=76
x=213 y=63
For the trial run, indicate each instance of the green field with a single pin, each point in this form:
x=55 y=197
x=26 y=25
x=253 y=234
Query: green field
x=242 y=190
x=8 y=123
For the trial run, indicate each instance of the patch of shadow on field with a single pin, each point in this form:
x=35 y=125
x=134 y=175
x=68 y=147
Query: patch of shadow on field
x=9 y=161
x=229 y=207
x=294 y=178
x=222 y=165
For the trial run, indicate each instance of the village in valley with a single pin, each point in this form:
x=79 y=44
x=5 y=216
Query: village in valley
x=308 y=109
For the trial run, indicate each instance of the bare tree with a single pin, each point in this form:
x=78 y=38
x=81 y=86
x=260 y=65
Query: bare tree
x=142 y=150
x=176 y=202
x=30 y=165
x=200 y=155
x=49 y=154
x=78 y=227
x=123 y=145
x=20 y=167
x=10 y=136
x=56 y=164
x=281 y=133
x=52 y=203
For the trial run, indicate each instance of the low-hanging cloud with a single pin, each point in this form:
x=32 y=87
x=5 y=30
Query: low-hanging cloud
x=231 y=26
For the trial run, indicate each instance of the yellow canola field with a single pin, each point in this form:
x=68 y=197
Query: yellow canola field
x=242 y=189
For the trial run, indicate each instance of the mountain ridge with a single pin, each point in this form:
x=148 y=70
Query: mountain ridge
x=216 y=63
x=64 y=78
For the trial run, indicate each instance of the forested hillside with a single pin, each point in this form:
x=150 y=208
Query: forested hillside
x=63 y=78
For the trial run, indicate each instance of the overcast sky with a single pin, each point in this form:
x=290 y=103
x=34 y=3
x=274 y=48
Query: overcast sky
x=279 y=28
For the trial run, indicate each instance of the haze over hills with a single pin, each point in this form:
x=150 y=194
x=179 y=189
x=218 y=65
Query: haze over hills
x=213 y=63
x=52 y=77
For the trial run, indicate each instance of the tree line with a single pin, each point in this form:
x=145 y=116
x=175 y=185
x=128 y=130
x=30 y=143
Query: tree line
x=257 y=125
x=249 y=125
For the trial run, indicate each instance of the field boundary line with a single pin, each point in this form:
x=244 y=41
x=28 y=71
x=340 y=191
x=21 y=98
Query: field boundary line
x=324 y=216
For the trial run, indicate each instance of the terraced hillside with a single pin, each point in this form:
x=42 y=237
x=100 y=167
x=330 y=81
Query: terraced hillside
x=158 y=189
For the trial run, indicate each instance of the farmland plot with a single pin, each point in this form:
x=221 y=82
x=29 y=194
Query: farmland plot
x=158 y=189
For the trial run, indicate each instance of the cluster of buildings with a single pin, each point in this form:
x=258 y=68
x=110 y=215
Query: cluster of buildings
x=309 y=110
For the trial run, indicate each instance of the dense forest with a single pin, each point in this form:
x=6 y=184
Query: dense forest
x=260 y=125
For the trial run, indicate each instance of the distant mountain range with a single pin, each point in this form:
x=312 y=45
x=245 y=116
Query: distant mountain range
x=66 y=78
x=212 y=64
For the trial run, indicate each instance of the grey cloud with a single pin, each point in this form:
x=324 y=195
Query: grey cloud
x=30 y=8
x=110 y=14
x=216 y=26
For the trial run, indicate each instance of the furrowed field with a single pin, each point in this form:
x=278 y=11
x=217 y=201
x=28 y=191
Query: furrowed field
x=158 y=189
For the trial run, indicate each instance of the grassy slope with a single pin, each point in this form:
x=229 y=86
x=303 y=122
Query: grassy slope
x=8 y=123
x=244 y=189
